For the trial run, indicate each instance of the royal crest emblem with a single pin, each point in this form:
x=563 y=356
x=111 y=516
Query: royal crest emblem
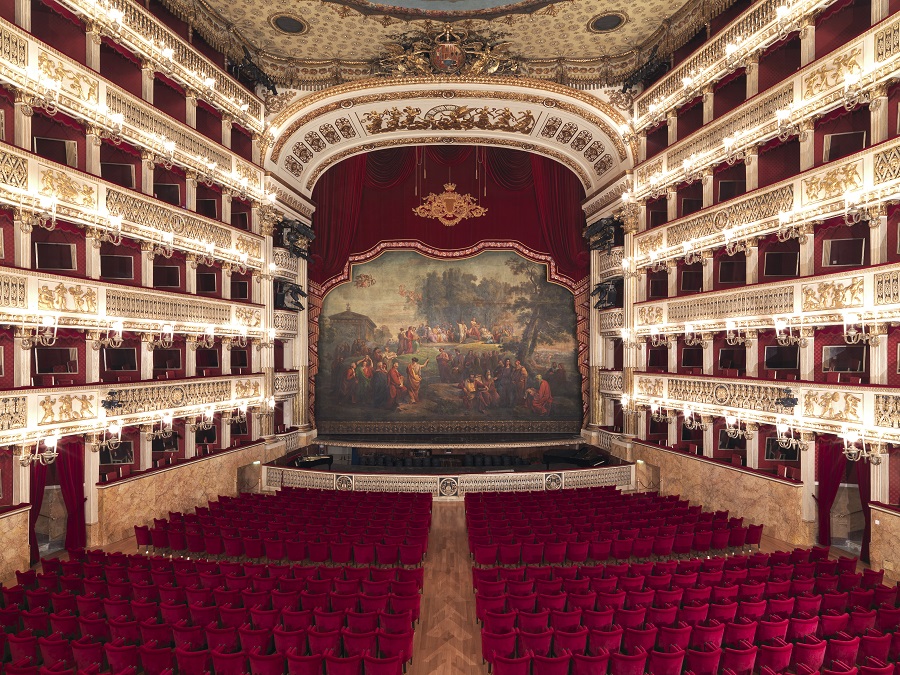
x=449 y=207
x=447 y=56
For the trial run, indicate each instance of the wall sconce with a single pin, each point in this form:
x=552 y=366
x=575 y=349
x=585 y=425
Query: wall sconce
x=46 y=456
x=241 y=264
x=44 y=215
x=657 y=185
x=205 y=259
x=658 y=339
x=691 y=257
x=692 y=338
x=855 y=209
x=787 y=125
x=855 y=447
x=166 y=150
x=627 y=272
x=693 y=424
x=269 y=342
x=239 y=417
x=691 y=171
x=733 y=153
x=783 y=21
x=205 y=341
x=734 y=335
x=267 y=409
x=659 y=414
x=164 y=430
x=657 y=265
x=112 y=337
x=854 y=335
x=41 y=334
x=627 y=133
x=46 y=91
x=115 y=123
x=239 y=340
x=784 y=334
x=113 y=233
x=166 y=337
x=786 y=231
x=162 y=248
x=733 y=428
x=732 y=247
x=786 y=439
x=112 y=439
x=206 y=421
x=853 y=93
x=628 y=341
x=735 y=53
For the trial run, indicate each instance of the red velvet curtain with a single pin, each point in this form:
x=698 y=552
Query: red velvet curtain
x=338 y=196
x=510 y=169
x=865 y=495
x=387 y=169
x=71 y=482
x=831 y=464
x=38 y=483
x=558 y=194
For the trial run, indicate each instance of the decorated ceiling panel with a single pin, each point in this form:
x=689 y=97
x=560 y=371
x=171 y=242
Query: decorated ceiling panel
x=576 y=130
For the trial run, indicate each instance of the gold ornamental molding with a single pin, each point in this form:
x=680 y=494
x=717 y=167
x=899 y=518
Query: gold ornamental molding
x=535 y=92
x=449 y=207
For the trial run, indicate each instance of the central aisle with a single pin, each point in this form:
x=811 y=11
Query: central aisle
x=448 y=640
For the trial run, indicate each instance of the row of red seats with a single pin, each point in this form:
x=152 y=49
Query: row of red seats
x=406 y=551
x=741 y=659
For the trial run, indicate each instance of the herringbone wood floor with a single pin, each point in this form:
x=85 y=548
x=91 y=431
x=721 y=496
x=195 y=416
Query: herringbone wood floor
x=448 y=638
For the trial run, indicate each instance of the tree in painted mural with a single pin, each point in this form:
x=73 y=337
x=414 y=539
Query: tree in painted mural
x=481 y=339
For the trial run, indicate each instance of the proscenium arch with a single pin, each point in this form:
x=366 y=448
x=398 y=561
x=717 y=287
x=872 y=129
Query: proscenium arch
x=576 y=129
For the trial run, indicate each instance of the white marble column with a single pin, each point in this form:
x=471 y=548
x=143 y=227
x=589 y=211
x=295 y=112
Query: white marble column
x=673 y=430
x=190 y=277
x=226 y=205
x=709 y=438
x=752 y=254
x=751 y=357
x=673 y=354
x=751 y=71
x=878 y=356
x=190 y=190
x=880 y=475
x=255 y=361
x=190 y=436
x=91 y=478
x=92 y=360
x=708 y=354
x=146 y=358
x=145 y=448
x=807 y=145
x=226 y=281
x=709 y=98
x=92 y=42
x=224 y=434
x=190 y=361
x=878 y=239
x=671 y=204
x=708 y=188
x=190 y=108
x=709 y=269
x=807 y=255
x=642 y=146
x=879 y=119
x=808 y=355
x=21 y=475
x=21 y=361
x=148 y=77
x=23 y=19
x=751 y=168
x=147 y=266
x=753 y=445
x=148 y=164
x=880 y=10
x=21 y=239
x=808 y=508
x=92 y=253
x=672 y=278
x=22 y=114
x=808 y=42
x=672 y=122
x=92 y=151
x=226 y=131
x=226 y=356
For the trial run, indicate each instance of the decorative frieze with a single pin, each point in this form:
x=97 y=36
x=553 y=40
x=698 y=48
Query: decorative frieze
x=832 y=405
x=13 y=412
x=286 y=322
x=610 y=382
x=833 y=182
x=611 y=320
x=764 y=301
x=832 y=294
x=13 y=291
x=832 y=71
x=172 y=395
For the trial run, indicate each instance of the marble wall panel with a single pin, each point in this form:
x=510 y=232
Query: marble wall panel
x=14 y=553
x=124 y=504
x=884 y=547
x=758 y=499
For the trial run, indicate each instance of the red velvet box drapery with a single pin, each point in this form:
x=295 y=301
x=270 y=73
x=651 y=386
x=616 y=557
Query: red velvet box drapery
x=370 y=198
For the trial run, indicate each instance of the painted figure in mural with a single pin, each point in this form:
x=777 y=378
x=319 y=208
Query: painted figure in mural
x=364 y=373
x=349 y=385
x=520 y=382
x=414 y=378
x=492 y=396
x=380 y=392
x=396 y=388
x=445 y=369
x=503 y=375
x=540 y=400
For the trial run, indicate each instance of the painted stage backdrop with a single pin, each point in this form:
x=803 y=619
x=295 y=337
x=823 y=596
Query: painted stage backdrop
x=413 y=344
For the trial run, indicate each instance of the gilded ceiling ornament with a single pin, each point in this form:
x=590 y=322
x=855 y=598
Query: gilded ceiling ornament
x=448 y=117
x=451 y=51
x=449 y=207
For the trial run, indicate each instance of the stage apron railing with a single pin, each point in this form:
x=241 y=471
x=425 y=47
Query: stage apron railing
x=450 y=486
